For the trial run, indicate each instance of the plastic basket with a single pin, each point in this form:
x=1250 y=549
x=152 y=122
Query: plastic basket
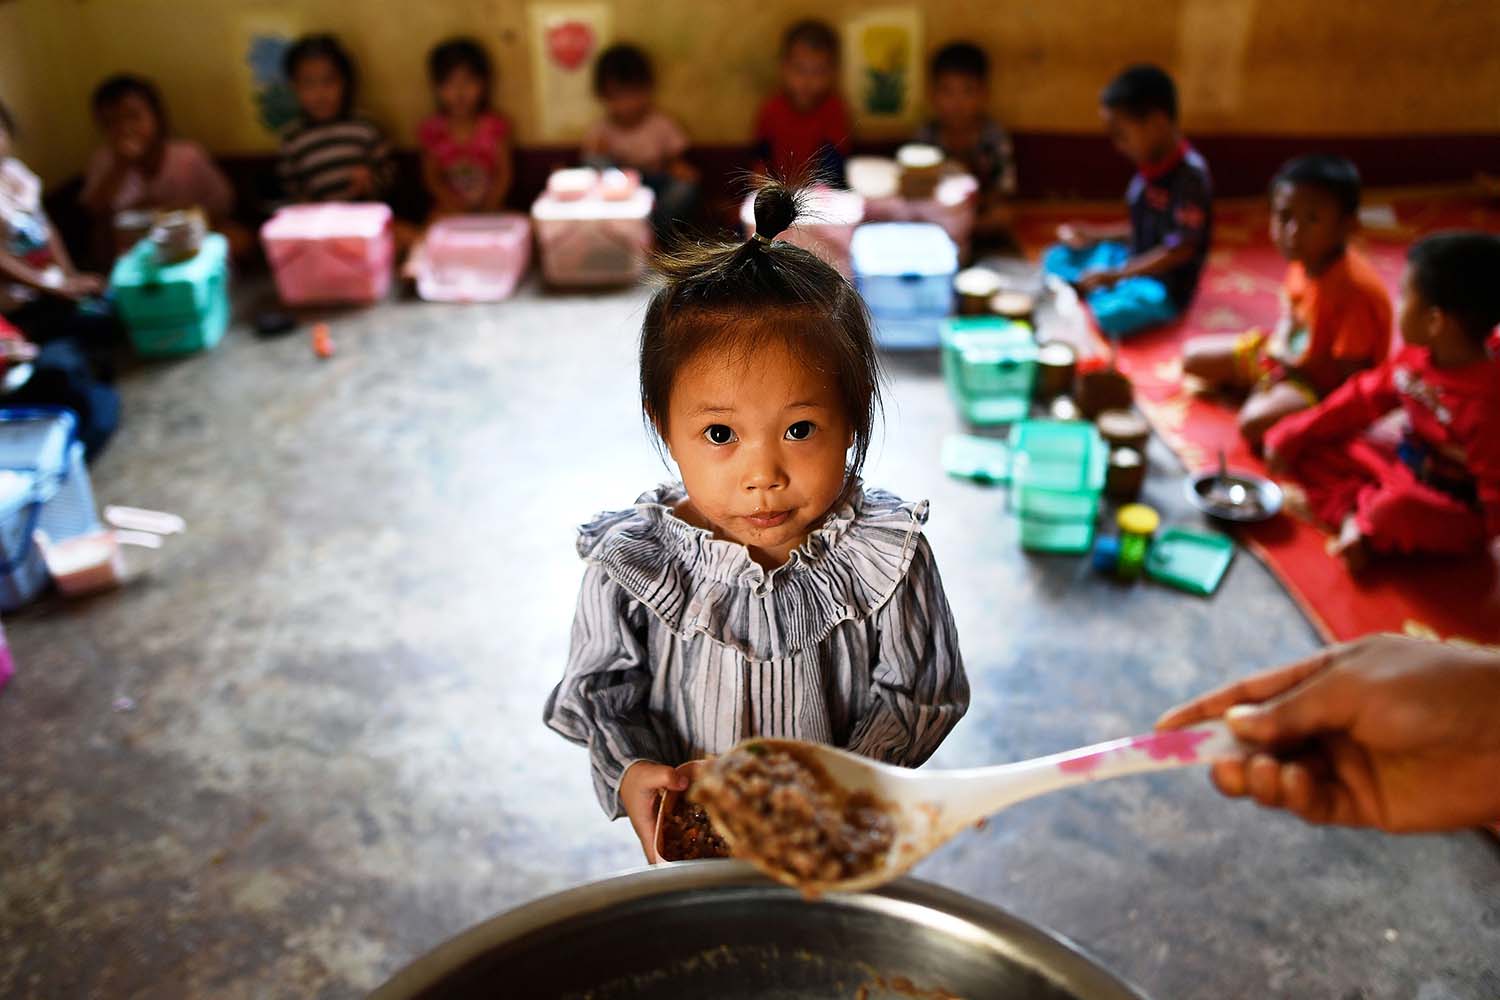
x=177 y=308
x=44 y=485
x=1057 y=477
x=989 y=364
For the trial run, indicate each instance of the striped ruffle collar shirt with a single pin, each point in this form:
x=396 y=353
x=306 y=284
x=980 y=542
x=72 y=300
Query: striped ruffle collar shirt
x=683 y=645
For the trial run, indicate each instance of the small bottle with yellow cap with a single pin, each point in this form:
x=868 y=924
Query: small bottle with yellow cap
x=1138 y=523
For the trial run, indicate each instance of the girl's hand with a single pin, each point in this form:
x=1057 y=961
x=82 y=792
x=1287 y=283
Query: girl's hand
x=640 y=787
x=81 y=286
x=130 y=148
x=1102 y=278
x=1387 y=732
x=361 y=182
x=1073 y=235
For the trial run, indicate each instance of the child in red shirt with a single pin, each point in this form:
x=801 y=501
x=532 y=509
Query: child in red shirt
x=1336 y=319
x=803 y=130
x=1438 y=489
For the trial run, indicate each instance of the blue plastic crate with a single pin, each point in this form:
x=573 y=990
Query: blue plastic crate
x=904 y=271
x=43 y=485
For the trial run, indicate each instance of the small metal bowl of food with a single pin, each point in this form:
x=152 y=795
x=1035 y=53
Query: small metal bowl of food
x=1234 y=497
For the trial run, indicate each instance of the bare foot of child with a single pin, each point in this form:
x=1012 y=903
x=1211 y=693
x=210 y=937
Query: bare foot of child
x=1350 y=547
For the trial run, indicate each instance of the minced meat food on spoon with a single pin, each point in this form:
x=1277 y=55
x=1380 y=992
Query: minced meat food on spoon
x=781 y=810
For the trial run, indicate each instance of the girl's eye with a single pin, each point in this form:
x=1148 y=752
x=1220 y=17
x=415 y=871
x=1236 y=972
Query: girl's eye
x=719 y=434
x=800 y=431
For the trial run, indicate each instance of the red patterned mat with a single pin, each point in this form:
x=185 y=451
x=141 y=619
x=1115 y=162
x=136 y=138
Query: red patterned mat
x=1447 y=598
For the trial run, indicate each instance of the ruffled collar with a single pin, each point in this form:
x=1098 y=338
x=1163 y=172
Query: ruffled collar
x=698 y=584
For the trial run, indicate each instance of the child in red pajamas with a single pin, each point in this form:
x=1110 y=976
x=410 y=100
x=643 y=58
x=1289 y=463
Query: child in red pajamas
x=1438 y=491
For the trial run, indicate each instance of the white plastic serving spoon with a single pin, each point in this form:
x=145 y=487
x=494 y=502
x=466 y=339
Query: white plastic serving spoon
x=931 y=807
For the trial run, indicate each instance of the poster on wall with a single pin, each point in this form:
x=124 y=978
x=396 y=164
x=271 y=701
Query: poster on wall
x=263 y=36
x=564 y=39
x=883 y=64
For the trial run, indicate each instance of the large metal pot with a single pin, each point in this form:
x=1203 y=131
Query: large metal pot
x=716 y=930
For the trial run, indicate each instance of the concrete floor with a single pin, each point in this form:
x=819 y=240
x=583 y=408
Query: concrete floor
x=309 y=748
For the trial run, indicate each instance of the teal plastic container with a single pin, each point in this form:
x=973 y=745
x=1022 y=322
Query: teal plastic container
x=989 y=364
x=175 y=308
x=1057 y=477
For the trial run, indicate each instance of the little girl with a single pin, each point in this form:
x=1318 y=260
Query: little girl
x=50 y=303
x=142 y=166
x=768 y=593
x=329 y=153
x=465 y=146
x=40 y=289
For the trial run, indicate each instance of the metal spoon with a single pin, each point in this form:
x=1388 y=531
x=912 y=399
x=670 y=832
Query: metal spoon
x=931 y=807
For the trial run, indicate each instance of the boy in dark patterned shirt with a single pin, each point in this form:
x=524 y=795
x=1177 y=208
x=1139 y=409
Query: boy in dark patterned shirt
x=1153 y=279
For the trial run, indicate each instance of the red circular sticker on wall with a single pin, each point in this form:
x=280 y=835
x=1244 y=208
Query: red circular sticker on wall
x=570 y=43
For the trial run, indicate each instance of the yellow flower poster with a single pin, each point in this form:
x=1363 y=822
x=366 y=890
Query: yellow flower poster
x=883 y=64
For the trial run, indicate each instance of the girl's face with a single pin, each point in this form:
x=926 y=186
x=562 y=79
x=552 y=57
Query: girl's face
x=131 y=127
x=761 y=442
x=460 y=93
x=320 y=89
x=626 y=105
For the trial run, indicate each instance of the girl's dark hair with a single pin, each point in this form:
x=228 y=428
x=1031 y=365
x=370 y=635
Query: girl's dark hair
x=1459 y=273
x=327 y=47
x=735 y=297
x=461 y=53
x=814 y=34
x=7 y=120
x=623 y=65
x=122 y=85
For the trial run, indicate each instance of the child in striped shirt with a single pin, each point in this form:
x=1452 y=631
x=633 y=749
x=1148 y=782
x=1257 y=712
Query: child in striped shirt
x=329 y=153
x=768 y=593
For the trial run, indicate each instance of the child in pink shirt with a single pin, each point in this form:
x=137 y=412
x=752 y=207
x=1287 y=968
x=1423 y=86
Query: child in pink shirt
x=466 y=162
x=141 y=167
x=634 y=134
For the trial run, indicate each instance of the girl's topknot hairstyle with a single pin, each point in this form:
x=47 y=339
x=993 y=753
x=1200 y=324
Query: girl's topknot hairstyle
x=732 y=298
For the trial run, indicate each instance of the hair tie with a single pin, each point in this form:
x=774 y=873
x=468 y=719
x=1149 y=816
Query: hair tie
x=757 y=237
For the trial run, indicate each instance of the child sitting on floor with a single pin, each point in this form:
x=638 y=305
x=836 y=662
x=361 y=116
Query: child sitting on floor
x=963 y=129
x=635 y=134
x=1436 y=489
x=465 y=146
x=49 y=302
x=1152 y=280
x=803 y=131
x=329 y=153
x=142 y=167
x=1337 y=316
x=769 y=593
x=41 y=292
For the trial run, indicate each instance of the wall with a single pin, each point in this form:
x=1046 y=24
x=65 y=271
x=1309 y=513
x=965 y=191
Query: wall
x=1246 y=66
x=16 y=88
